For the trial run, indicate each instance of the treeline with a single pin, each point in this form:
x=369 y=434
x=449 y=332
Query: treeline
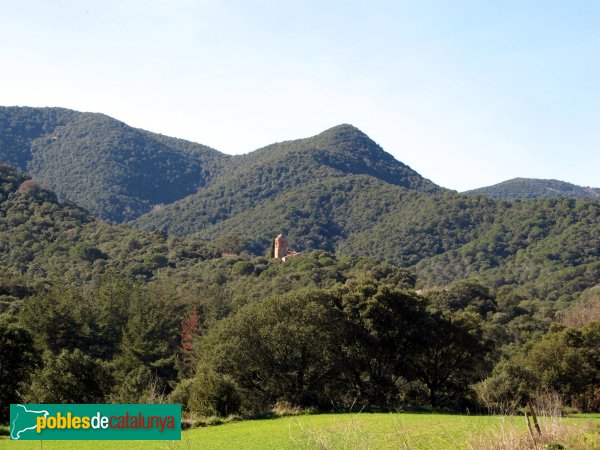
x=363 y=344
x=356 y=335
x=379 y=345
x=117 y=342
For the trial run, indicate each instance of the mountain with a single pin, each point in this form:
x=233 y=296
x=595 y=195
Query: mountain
x=337 y=192
x=526 y=188
x=544 y=248
x=285 y=179
x=368 y=204
x=113 y=170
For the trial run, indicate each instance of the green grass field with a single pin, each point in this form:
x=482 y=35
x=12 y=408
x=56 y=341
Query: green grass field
x=336 y=431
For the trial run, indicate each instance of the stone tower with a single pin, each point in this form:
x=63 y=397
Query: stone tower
x=281 y=246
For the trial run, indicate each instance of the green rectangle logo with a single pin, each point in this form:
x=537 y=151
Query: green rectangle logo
x=95 y=422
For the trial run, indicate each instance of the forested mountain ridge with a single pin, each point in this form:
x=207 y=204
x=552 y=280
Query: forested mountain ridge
x=266 y=175
x=344 y=148
x=547 y=248
x=119 y=173
x=132 y=316
x=113 y=170
x=337 y=191
x=527 y=188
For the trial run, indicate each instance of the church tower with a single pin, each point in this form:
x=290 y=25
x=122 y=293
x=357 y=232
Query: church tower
x=281 y=246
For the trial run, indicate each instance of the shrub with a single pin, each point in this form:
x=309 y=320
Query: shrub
x=17 y=360
x=212 y=393
x=181 y=393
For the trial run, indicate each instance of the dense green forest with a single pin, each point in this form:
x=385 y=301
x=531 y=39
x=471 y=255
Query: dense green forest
x=526 y=188
x=263 y=181
x=44 y=239
x=115 y=171
x=549 y=248
x=406 y=295
x=240 y=335
x=93 y=312
x=119 y=173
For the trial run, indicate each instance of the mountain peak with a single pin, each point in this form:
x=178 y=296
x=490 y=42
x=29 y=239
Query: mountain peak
x=348 y=150
x=346 y=131
x=526 y=188
x=344 y=128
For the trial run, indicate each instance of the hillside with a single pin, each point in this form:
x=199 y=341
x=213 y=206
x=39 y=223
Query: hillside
x=111 y=169
x=45 y=239
x=266 y=177
x=337 y=191
x=527 y=188
x=547 y=248
x=341 y=193
x=119 y=173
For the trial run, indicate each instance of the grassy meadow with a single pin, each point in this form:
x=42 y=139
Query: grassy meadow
x=361 y=431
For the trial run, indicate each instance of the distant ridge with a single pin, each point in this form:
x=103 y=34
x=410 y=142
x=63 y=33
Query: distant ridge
x=285 y=183
x=527 y=188
x=336 y=192
x=109 y=168
x=120 y=173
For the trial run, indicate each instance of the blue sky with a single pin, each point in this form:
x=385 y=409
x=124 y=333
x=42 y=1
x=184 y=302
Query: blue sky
x=468 y=93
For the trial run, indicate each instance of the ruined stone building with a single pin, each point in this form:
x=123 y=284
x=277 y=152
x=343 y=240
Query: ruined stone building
x=281 y=250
